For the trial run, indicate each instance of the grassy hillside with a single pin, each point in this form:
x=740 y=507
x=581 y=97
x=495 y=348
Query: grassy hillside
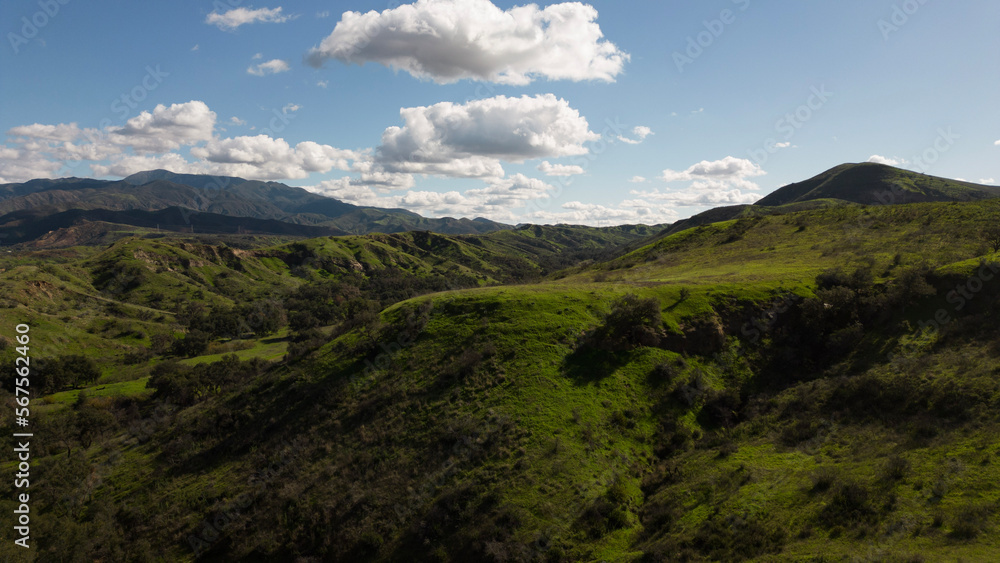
x=814 y=385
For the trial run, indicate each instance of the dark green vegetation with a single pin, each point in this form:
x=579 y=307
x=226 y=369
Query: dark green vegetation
x=814 y=385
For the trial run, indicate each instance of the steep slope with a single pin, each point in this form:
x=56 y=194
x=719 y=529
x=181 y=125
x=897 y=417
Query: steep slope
x=877 y=184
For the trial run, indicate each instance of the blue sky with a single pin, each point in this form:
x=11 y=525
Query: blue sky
x=645 y=112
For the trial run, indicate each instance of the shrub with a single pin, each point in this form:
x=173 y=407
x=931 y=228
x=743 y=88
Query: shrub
x=633 y=321
x=970 y=521
x=850 y=505
x=895 y=468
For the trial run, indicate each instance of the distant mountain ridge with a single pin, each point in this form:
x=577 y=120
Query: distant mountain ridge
x=217 y=196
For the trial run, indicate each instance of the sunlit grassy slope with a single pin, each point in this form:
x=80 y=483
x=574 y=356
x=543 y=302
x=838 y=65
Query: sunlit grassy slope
x=484 y=424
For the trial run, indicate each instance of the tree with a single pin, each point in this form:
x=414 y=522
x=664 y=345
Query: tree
x=92 y=422
x=633 y=321
x=79 y=370
x=193 y=344
x=992 y=237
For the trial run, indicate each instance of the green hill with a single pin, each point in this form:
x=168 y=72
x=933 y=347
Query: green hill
x=814 y=385
x=877 y=184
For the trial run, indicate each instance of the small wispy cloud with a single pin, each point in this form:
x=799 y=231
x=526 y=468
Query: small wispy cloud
x=640 y=131
x=638 y=179
x=550 y=169
x=322 y=83
x=270 y=67
x=232 y=19
x=291 y=107
x=196 y=47
x=236 y=121
x=258 y=56
x=879 y=159
x=987 y=181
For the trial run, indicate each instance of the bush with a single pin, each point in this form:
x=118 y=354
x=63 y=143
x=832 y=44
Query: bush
x=970 y=521
x=896 y=468
x=850 y=505
x=633 y=321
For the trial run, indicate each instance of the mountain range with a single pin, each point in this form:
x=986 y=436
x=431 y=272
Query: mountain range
x=44 y=204
x=71 y=211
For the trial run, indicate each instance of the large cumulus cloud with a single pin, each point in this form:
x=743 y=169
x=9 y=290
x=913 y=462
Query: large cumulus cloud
x=450 y=40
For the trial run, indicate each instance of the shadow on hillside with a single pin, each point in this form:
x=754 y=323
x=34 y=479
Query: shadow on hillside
x=589 y=365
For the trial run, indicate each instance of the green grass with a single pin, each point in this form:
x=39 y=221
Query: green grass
x=496 y=424
x=133 y=388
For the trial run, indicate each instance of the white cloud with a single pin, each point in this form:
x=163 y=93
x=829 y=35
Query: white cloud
x=125 y=165
x=629 y=211
x=264 y=158
x=323 y=14
x=322 y=83
x=345 y=190
x=154 y=137
x=997 y=142
x=699 y=196
x=987 y=181
x=196 y=47
x=451 y=40
x=637 y=179
x=60 y=132
x=879 y=159
x=166 y=128
x=710 y=183
x=729 y=169
x=514 y=191
x=470 y=140
x=273 y=66
x=783 y=145
x=232 y=19
x=550 y=169
x=290 y=107
x=257 y=57
x=19 y=165
x=640 y=131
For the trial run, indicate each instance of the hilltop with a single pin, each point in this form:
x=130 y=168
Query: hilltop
x=869 y=183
